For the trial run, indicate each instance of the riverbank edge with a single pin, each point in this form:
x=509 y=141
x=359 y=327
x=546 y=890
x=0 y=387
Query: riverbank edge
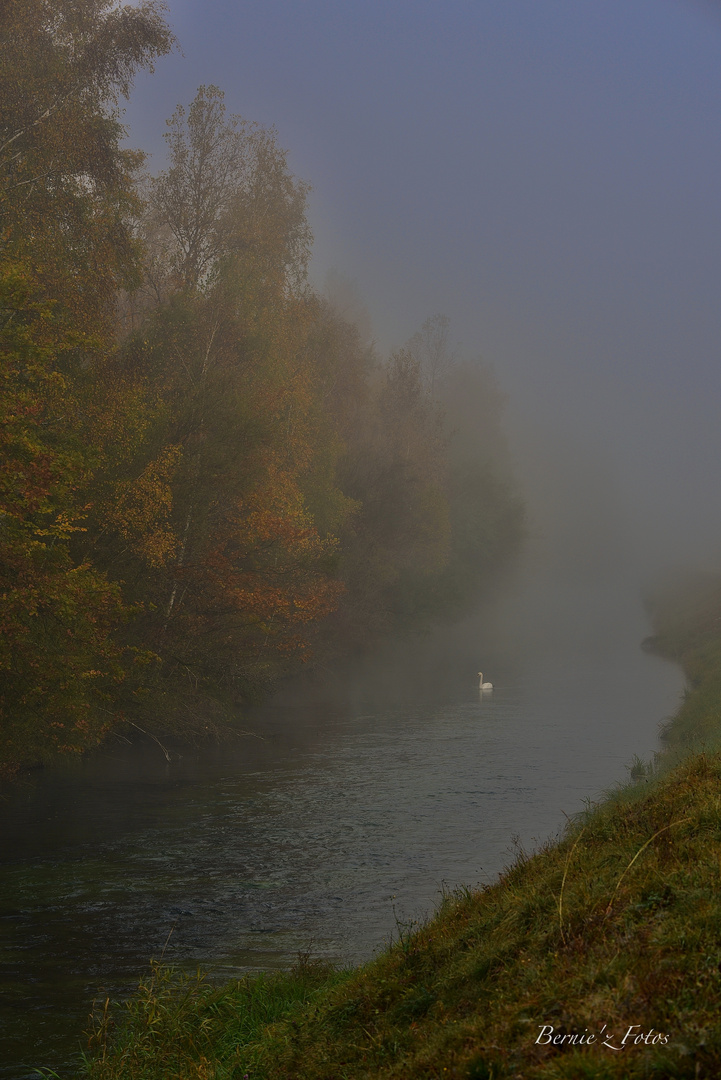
x=598 y=956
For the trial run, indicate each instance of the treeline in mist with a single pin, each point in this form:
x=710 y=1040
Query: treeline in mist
x=208 y=475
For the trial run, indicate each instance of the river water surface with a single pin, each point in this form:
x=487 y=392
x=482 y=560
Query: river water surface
x=347 y=810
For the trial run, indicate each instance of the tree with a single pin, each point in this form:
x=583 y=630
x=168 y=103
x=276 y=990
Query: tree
x=430 y=349
x=66 y=186
x=58 y=660
x=438 y=517
x=395 y=470
x=486 y=513
x=66 y=242
x=228 y=195
x=228 y=345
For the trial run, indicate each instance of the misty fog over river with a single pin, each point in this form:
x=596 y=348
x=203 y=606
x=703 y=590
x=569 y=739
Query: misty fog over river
x=338 y=816
x=543 y=180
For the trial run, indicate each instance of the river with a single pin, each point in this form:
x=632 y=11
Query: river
x=343 y=813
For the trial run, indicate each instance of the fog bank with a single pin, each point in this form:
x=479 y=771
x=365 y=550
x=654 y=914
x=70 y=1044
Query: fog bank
x=546 y=175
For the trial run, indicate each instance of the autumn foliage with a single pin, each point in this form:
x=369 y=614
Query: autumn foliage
x=209 y=477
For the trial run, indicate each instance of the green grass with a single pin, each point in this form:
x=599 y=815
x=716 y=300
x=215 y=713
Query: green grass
x=619 y=924
x=182 y=1026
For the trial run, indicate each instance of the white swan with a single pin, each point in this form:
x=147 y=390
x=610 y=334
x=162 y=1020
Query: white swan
x=483 y=685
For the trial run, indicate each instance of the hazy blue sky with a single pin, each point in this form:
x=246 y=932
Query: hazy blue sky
x=545 y=172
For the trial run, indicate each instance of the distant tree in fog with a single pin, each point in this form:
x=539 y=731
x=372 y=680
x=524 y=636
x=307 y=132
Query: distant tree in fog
x=430 y=347
x=228 y=193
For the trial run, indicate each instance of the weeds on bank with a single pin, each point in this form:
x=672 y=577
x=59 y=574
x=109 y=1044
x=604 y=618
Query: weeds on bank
x=181 y=1027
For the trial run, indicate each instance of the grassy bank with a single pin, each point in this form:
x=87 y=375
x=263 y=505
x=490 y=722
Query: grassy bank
x=599 y=956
